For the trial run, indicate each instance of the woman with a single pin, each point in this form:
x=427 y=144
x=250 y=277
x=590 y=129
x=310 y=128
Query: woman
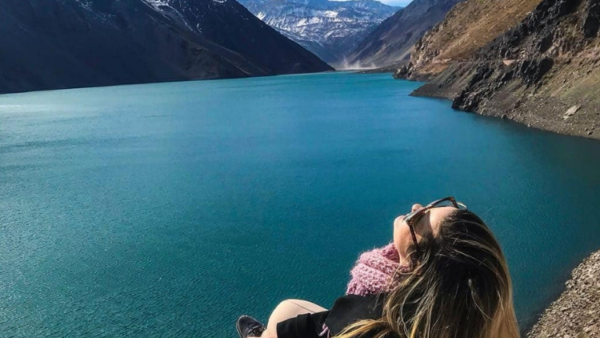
x=452 y=281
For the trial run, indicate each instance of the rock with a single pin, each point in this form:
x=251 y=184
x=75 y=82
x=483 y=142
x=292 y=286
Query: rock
x=403 y=72
x=532 y=71
x=571 y=112
x=591 y=23
x=590 y=132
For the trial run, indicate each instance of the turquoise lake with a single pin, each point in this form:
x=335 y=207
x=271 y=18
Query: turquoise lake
x=168 y=210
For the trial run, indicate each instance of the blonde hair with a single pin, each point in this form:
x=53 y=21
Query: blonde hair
x=459 y=287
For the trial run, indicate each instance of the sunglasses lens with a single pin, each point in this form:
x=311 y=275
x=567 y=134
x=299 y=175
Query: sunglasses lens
x=444 y=204
x=449 y=203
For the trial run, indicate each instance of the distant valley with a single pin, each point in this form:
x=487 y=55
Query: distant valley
x=353 y=34
x=329 y=29
x=393 y=40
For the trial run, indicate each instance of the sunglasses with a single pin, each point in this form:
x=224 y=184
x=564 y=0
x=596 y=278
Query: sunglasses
x=412 y=218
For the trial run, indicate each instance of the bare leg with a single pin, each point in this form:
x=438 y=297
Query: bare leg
x=289 y=309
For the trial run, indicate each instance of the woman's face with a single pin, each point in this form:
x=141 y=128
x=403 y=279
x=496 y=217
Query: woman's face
x=429 y=223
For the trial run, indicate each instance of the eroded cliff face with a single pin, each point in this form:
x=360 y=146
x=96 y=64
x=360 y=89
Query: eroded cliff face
x=469 y=26
x=543 y=72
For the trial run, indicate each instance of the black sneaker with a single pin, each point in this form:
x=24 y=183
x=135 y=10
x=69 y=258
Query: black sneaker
x=249 y=327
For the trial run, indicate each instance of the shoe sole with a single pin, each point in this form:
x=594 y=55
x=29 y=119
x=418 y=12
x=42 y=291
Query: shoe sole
x=237 y=327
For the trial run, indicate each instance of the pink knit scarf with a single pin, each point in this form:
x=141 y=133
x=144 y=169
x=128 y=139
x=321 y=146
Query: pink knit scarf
x=374 y=272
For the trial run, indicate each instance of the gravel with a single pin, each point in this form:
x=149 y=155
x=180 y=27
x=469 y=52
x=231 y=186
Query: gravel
x=576 y=314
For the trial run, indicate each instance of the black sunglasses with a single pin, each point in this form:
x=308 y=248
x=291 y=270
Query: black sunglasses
x=412 y=218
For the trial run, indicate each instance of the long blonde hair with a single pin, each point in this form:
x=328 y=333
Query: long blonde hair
x=459 y=287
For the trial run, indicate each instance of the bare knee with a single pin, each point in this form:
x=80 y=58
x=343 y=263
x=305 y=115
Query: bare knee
x=303 y=305
x=285 y=310
x=287 y=302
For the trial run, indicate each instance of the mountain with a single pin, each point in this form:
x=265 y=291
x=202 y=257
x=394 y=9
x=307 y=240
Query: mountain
x=543 y=71
x=392 y=40
x=52 y=44
x=469 y=26
x=327 y=28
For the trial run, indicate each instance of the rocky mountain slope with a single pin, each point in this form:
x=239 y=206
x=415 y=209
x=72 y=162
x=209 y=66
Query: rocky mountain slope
x=469 y=26
x=51 y=44
x=391 y=42
x=543 y=72
x=327 y=28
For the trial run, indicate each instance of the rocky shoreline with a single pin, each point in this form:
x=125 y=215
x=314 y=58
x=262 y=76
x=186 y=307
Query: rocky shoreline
x=496 y=89
x=576 y=313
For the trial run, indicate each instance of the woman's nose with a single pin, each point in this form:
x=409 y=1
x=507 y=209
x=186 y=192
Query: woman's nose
x=416 y=207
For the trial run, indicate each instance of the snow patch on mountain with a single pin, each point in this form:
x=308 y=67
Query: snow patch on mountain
x=327 y=28
x=167 y=9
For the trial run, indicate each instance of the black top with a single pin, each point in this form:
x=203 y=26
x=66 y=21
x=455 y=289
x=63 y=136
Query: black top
x=345 y=311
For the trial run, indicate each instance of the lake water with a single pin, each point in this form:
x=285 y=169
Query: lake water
x=171 y=209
